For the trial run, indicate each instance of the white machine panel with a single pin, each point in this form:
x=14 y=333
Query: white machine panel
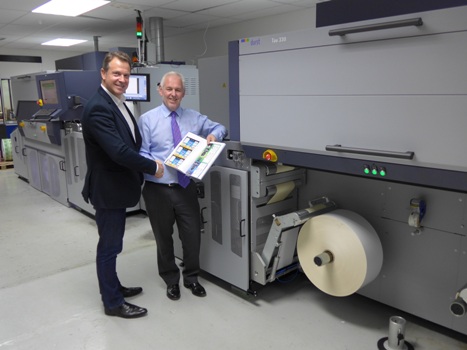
x=396 y=90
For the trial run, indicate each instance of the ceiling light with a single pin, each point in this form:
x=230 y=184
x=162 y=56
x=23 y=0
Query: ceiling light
x=64 y=8
x=63 y=42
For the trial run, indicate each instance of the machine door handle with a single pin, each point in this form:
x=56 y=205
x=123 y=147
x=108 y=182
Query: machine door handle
x=62 y=165
x=23 y=151
x=370 y=152
x=75 y=170
x=377 y=26
x=241 y=228
x=202 y=215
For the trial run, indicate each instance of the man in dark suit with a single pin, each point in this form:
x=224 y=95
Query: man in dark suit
x=114 y=177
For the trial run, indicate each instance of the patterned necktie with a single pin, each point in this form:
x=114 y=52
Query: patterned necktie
x=183 y=180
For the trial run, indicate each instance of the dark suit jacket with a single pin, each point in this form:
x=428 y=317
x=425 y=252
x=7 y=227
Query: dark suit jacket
x=114 y=166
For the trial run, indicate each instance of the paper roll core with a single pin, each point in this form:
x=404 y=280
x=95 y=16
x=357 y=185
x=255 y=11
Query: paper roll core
x=324 y=258
x=357 y=253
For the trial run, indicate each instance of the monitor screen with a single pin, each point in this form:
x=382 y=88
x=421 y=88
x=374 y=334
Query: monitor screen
x=138 y=88
x=49 y=92
x=26 y=109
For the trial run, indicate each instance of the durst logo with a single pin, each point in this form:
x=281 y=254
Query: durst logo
x=255 y=42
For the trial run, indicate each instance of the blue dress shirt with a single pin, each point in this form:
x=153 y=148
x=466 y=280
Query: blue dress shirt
x=156 y=131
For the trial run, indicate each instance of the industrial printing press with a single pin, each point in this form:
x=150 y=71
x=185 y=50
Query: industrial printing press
x=347 y=159
x=39 y=147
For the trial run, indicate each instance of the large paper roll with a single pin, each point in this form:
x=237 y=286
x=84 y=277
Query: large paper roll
x=339 y=252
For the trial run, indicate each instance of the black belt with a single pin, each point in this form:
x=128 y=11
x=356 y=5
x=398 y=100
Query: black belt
x=173 y=184
x=167 y=185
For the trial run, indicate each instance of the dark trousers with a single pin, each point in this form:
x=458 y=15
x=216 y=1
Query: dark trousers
x=111 y=228
x=166 y=206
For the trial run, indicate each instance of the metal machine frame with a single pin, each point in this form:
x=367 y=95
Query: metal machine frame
x=366 y=137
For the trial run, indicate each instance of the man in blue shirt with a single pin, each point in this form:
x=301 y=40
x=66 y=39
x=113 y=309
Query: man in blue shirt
x=169 y=199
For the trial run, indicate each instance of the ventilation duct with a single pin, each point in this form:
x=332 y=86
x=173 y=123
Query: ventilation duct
x=96 y=42
x=156 y=37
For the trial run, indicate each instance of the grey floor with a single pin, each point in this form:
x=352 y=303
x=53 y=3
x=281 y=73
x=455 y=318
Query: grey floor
x=49 y=297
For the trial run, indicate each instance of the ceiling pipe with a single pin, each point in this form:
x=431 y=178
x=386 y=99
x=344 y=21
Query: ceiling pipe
x=96 y=42
x=156 y=36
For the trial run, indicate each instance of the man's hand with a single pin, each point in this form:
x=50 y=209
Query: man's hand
x=160 y=169
x=210 y=138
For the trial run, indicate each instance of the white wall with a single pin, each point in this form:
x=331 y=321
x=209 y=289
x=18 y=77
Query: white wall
x=188 y=47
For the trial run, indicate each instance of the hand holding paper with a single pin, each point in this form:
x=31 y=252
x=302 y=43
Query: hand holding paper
x=193 y=156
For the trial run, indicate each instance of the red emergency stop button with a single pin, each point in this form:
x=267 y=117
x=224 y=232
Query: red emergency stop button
x=270 y=155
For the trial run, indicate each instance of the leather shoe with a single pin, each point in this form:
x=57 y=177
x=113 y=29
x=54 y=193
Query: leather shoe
x=130 y=291
x=173 y=292
x=196 y=288
x=126 y=310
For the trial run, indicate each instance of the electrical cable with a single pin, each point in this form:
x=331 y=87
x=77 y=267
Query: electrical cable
x=205 y=45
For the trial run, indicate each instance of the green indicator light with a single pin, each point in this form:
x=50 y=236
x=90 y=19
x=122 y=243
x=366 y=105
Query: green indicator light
x=366 y=169
x=374 y=171
x=139 y=27
x=382 y=172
